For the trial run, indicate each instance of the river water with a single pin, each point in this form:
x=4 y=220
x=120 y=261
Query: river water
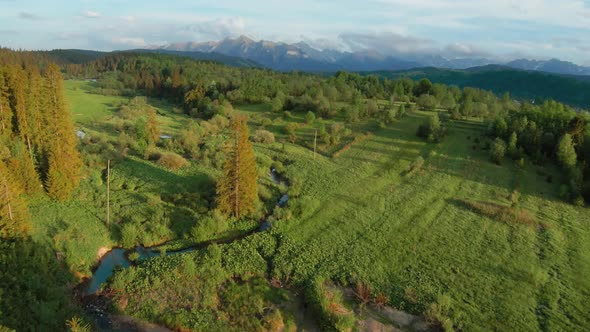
x=119 y=257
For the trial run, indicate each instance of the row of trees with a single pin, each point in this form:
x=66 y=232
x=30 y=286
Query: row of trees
x=203 y=87
x=206 y=89
x=37 y=141
x=548 y=132
x=37 y=146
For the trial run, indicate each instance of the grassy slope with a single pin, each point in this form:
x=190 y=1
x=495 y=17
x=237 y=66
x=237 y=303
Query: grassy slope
x=77 y=228
x=399 y=231
x=377 y=223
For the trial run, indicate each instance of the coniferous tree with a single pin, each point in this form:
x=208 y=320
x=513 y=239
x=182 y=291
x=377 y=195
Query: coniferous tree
x=5 y=110
x=23 y=169
x=237 y=190
x=34 y=102
x=64 y=163
x=13 y=209
x=18 y=85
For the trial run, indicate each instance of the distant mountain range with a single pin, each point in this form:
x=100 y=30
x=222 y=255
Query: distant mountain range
x=303 y=57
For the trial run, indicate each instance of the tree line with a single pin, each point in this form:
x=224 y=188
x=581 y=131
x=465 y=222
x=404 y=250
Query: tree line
x=206 y=88
x=37 y=142
x=37 y=152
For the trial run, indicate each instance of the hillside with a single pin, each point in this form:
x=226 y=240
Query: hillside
x=374 y=204
x=529 y=85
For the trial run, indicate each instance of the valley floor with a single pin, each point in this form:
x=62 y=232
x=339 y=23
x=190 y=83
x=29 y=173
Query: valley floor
x=377 y=215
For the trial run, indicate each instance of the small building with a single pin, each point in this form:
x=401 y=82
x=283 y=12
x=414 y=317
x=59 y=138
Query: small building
x=163 y=136
x=80 y=134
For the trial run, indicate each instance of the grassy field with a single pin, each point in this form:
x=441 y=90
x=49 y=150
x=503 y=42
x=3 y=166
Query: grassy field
x=93 y=112
x=410 y=235
x=362 y=210
x=149 y=203
x=419 y=233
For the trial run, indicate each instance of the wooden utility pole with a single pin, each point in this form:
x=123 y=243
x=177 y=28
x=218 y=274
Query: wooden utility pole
x=1 y=115
x=7 y=193
x=108 y=192
x=315 y=143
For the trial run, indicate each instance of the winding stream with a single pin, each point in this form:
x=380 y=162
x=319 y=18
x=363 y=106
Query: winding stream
x=119 y=257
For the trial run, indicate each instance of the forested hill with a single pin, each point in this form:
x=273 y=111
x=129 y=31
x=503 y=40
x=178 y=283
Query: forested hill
x=66 y=57
x=216 y=57
x=530 y=85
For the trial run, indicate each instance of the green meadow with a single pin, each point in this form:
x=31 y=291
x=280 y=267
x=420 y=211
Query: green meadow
x=417 y=221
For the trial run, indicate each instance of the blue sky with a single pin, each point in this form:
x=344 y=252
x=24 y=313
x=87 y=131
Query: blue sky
x=500 y=29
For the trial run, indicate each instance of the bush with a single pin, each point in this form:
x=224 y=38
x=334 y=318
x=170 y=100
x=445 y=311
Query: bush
x=438 y=313
x=172 y=161
x=498 y=150
x=204 y=229
x=416 y=165
x=309 y=117
x=427 y=101
x=432 y=129
x=129 y=235
x=263 y=136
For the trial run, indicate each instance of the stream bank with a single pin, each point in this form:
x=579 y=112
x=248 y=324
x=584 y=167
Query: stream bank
x=97 y=305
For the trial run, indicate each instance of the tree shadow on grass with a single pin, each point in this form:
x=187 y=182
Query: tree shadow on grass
x=33 y=287
x=159 y=180
x=146 y=186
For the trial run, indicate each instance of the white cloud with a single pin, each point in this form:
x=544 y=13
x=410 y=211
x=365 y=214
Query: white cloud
x=218 y=28
x=129 y=19
x=388 y=43
x=129 y=41
x=566 y=13
x=91 y=14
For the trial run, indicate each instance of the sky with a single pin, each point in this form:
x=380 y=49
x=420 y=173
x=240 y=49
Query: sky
x=499 y=29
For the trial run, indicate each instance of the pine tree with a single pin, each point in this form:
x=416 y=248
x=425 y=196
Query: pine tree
x=34 y=101
x=152 y=127
x=63 y=159
x=13 y=209
x=23 y=169
x=18 y=84
x=237 y=191
x=5 y=110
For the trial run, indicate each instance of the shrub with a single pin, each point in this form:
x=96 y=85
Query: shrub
x=438 y=313
x=263 y=136
x=129 y=235
x=416 y=165
x=265 y=122
x=309 y=117
x=290 y=129
x=427 y=101
x=172 y=161
x=432 y=129
x=498 y=150
x=327 y=304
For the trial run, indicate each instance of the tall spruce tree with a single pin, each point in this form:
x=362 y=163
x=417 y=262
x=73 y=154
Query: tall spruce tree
x=5 y=109
x=23 y=169
x=35 y=101
x=13 y=209
x=18 y=85
x=237 y=191
x=64 y=163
